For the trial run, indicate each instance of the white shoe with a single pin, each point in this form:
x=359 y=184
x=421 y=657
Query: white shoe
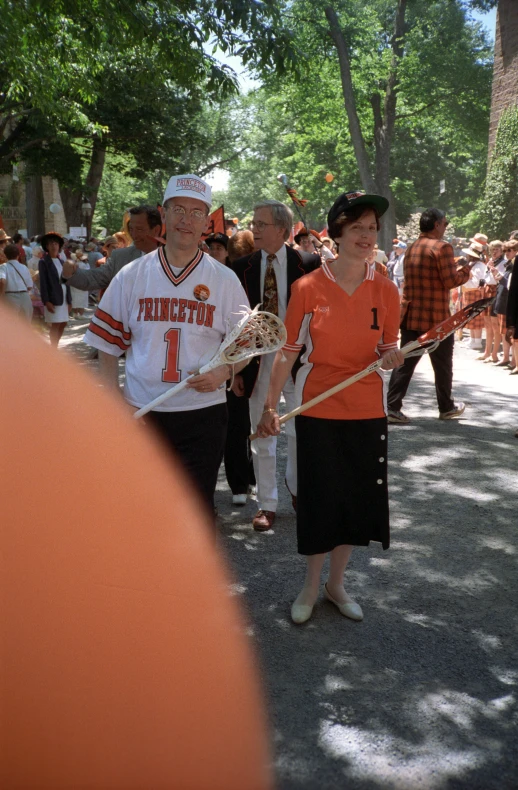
x=300 y=613
x=239 y=499
x=352 y=610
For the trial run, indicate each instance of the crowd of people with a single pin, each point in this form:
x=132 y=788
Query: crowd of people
x=31 y=270
x=167 y=293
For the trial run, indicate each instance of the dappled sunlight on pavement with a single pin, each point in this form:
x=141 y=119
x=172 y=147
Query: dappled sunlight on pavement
x=421 y=694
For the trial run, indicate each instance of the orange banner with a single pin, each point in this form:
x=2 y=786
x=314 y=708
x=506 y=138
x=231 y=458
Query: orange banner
x=217 y=222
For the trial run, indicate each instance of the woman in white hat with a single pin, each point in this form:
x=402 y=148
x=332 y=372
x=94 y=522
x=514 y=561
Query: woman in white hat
x=4 y=239
x=494 y=265
x=473 y=290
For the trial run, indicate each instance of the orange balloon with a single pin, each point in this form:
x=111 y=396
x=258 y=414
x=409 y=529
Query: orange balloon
x=329 y=177
x=124 y=660
x=235 y=220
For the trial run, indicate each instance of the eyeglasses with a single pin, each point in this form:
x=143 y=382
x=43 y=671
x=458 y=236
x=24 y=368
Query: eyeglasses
x=196 y=214
x=259 y=225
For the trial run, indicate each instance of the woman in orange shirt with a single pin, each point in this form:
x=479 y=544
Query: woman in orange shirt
x=346 y=316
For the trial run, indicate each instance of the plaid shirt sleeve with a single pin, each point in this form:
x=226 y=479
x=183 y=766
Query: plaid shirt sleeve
x=430 y=273
x=451 y=276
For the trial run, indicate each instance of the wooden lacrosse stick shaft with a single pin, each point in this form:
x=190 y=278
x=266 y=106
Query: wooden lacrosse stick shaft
x=435 y=335
x=343 y=384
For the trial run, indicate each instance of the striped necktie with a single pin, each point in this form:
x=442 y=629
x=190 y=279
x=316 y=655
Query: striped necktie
x=270 y=293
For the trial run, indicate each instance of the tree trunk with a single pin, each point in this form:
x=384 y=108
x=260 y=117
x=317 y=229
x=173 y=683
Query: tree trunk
x=35 y=205
x=94 y=177
x=72 y=200
x=384 y=129
x=73 y=196
x=384 y=120
x=357 y=139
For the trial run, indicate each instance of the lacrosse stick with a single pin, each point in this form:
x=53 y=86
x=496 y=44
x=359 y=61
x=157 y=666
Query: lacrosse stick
x=255 y=334
x=424 y=344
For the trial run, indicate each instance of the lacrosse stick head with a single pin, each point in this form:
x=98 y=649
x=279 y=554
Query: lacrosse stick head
x=454 y=322
x=261 y=333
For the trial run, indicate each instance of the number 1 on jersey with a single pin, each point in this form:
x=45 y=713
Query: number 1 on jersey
x=374 y=324
x=170 y=373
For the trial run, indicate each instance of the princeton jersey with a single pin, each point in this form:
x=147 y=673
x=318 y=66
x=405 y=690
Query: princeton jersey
x=169 y=325
x=343 y=335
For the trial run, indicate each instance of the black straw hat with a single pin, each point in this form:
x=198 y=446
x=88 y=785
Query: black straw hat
x=49 y=236
x=349 y=199
x=217 y=238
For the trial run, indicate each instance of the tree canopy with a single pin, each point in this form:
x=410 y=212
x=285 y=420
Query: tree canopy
x=80 y=77
x=386 y=95
x=300 y=124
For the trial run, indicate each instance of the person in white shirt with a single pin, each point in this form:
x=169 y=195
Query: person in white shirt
x=398 y=269
x=79 y=297
x=36 y=254
x=267 y=276
x=16 y=283
x=473 y=290
x=380 y=256
x=495 y=267
x=169 y=312
x=27 y=249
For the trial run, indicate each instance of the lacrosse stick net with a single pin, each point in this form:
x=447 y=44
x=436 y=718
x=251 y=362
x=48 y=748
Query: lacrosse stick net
x=424 y=344
x=258 y=332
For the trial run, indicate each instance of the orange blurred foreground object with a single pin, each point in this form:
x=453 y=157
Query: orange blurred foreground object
x=123 y=660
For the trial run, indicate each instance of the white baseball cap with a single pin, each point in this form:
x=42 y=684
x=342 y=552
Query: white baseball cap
x=190 y=186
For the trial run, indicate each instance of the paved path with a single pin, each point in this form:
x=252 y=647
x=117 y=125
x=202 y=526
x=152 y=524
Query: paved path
x=423 y=693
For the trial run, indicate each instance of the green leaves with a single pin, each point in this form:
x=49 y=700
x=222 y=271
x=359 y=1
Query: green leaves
x=299 y=124
x=59 y=55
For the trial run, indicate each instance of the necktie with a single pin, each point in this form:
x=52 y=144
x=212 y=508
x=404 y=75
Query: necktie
x=270 y=294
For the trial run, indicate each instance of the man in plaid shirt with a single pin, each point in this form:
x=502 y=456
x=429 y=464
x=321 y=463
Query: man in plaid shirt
x=430 y=272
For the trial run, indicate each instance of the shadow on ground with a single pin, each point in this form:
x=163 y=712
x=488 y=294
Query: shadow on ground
x=422 y=694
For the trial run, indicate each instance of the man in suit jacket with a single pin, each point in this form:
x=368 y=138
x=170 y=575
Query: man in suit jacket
x=145 y=224
x=271 y=227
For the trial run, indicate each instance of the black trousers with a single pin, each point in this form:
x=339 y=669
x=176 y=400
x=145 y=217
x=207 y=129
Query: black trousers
x=442 y=363
x=198 y=438
x=238 y=456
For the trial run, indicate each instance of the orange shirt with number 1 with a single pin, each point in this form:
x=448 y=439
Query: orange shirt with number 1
x=343 y=335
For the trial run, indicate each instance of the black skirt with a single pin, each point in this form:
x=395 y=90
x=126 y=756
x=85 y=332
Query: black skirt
x=342 y=494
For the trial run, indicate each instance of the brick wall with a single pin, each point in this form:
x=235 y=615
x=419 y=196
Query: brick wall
x=505 y=73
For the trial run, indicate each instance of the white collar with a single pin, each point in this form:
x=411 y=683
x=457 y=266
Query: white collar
x=281 y=255
x=369 y=272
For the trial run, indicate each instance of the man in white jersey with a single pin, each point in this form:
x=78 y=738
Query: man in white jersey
x=169 y=311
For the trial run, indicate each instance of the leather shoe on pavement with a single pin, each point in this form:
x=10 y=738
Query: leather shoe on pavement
x=263 y=520
x=352 y=610
x=300 y=613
